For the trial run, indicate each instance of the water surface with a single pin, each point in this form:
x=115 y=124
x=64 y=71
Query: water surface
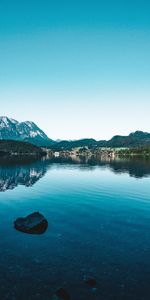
x=99 y=226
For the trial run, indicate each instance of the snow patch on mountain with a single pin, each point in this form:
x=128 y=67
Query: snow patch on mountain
x=12 y=129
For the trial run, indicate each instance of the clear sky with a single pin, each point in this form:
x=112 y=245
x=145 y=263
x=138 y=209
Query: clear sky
x=76 y=68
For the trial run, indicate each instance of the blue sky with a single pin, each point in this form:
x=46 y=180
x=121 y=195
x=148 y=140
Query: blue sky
x=76 y=68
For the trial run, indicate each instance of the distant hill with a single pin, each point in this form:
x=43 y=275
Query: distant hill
x=10 y=147
x=68 y=145
x=28 y=131
x=135 y=139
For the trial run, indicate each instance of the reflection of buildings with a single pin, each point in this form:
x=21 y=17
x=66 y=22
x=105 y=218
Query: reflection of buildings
x=14 y=173
x=56 y=154
x=135 y=167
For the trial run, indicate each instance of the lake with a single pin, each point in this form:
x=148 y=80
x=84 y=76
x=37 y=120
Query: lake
x=99 y=227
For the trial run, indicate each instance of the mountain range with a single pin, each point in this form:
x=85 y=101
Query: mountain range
x=28 y=131
x=135 y=139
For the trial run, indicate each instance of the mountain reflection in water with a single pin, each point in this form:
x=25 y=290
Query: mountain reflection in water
x=27 y=171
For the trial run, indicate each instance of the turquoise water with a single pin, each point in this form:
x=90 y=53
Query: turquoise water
x=99 y=226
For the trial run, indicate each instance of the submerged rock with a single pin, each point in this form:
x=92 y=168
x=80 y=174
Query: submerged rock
x=90 y=281
x=34 y=224
x=61 y=293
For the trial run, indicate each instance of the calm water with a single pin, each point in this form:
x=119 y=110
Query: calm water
x=99 y=226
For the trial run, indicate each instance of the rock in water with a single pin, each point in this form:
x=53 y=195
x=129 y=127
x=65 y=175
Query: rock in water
x=90 y=281
x=34 y=224
x=61 y=293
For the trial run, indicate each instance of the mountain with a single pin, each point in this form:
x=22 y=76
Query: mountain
x=28 y=131
x=11 y=129
x=134 y=139
x=68 y=145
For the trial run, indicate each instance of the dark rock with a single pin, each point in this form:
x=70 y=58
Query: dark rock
x=34 y=224
x=62 y=294
x=90 y=281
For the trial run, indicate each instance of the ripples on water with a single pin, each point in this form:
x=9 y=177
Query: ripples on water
x=99 y=226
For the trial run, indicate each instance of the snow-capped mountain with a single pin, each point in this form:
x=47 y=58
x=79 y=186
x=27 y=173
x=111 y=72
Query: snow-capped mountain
x=11 y=129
